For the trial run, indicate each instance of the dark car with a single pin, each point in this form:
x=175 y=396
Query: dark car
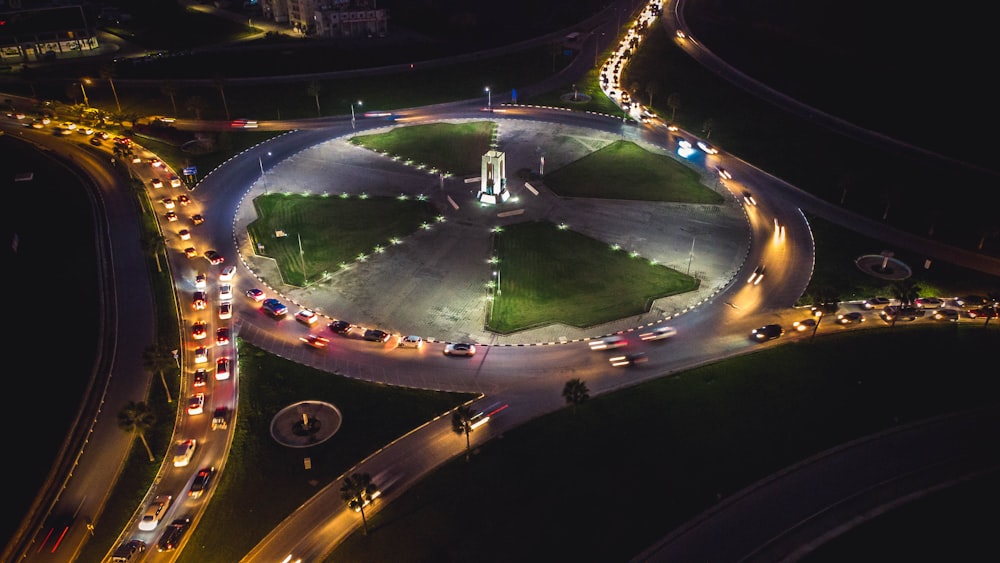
x=214 y=257
x=632 y=359
x=274 y=307
x=905 y=313
x=982 y=313
x=376 y=335
x=340 y=327
x=767 y=332
x=201 y=482
x=971 y=301
x=173 y=534
x=851 y=318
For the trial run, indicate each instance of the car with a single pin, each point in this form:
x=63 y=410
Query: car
x=37 y=125
x=227 y=273
x=190 y=252
x=174 y=180
x=243 y=123
x=85 y=130
x=411 y=341
x=136 y=159
x=201 y=482
x=184 y=234
x=172 y=535
x=767 y=332
x=460 y=349
x=199 y=301
x=749 y=199
x=155 y=512
x=340 y=327
x=851 y=318
x=171 y=216
x=96 y=141
x=946 y=315
x=102 y=135
x=225 y=292
x=971 y=301
x=220 y=418
x=197 y=219
x=681 y=34
x=609 y=343
x=128 y=551
x=222 y=336
x=315 y=341
x=982 y=313
x=183 y=199
x=804 y=325
x=45 y=120
x=222 y=369
x=255 y=294
x=274 y=307
x=214 y=257
x=632 y=359
x=376 y=335
x=200 y=355
x=200 y=280
x=723 y=173
x=196 y=404
x=198 y=330
x=200 y=378
x=757 y=275
x=876 y=302
x=898 y=313
x=68 y=125
x=65 y=131
x=184 y=451
x=225 y=310
x=928 y=302
x=156 y=163
x=659 y=333
x=709 y=149
x=306 y=316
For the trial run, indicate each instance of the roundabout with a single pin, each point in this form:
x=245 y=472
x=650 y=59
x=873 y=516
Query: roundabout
x=305 y=424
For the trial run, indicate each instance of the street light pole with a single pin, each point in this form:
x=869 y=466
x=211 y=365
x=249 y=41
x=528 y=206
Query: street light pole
x=86 y=102
x=691 y=254
x=353 y=123
x=489 y=99
x=263 y=178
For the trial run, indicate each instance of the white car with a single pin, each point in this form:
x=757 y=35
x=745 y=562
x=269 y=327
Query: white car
x=227 y=273
x=411 y=341
x=156 y=183
x=306 y=316
x=659 y=333
x=460 y=349
x=709 y=149
x=200 y=280
x=200 y=355
x=184 y=451
x=155 y=512
x=609 y=343
x=196 y=404
x=225 y=292
x=225 y=310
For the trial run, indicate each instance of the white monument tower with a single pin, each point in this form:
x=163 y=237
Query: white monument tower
x=493 y=181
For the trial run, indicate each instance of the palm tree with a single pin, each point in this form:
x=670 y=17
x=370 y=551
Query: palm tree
x=158 y=359
x=673 y=102
x=707 y=127
x=461 y=423
x=196 y=104
x=359 y=491
x=220 y=83
x=652 y=87
x=138 y=419
x=108 y=72
x=905 y=291
x=994 y=304
x=153 y=245
x=313 y=90
x=169 y=89
x=576 y=393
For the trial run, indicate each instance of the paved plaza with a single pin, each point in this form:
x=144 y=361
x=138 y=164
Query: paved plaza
x=434 y=284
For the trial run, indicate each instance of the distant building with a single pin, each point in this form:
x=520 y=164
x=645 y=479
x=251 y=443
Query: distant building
x=329 y=18
x=34 y=31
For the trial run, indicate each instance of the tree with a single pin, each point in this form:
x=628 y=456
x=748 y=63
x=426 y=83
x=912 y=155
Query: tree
x=825 y=301
x=138 y=419
x=107 y=72
x=153 y=245
x=576 y=393
x=461 y=423
x=313 y=90
x=652 y=87
x=359 y=491
x=169 y=89
x=220 y=83
x=196 y=104
x=555 y=49
x=707 y=127
x=906 y=291
x=158 y=359
x=673 y=102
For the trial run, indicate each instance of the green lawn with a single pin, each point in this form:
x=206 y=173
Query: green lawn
x=624 y=170
x=600 y=284
x=451 y=148
x=312 y=235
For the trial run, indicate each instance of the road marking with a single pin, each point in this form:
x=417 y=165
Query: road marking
x=509 y=213
x=533 y=190
x=472 y=180
x=452 y=202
